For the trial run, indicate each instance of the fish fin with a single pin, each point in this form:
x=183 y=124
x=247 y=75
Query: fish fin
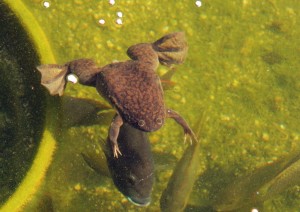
x=167 y=84
x=105 y=147
x=53 y=78
x=165 y=79
x=171 y=48
x=83 y=112
x=168 y=75
x=97 y=162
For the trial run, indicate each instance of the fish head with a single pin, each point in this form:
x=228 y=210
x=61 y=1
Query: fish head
x=133 y=171
x=133 y=178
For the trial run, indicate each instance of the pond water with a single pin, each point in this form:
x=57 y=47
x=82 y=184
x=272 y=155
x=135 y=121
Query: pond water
x=240 y=78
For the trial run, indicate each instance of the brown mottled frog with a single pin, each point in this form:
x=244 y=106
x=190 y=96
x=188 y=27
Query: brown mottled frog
x=132 y=87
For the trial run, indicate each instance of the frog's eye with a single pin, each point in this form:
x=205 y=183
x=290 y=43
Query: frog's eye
x=141 y=123
x=159 y=121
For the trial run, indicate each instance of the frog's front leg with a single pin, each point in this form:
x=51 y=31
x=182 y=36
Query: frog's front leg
x=113 y=134
x=187 y=130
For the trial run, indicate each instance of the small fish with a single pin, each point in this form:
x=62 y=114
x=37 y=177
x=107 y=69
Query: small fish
x=241 y=192
x=132 y=87
x=175 y=197
x=246 y=189
x=287 y=178
x=133 y=171
x=250 y=190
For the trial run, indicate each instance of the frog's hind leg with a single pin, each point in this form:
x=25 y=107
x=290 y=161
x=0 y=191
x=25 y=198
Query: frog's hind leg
x=53 y=78
x=171 y=48
x=85 y=69
x=113 y=134
x=180 y=120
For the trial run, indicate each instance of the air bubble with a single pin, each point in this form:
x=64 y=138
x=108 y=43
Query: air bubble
x=120 y=14
x=119 y=21
x=198 y=3
x=46 y=4
x=112 y=2
x=101 y=21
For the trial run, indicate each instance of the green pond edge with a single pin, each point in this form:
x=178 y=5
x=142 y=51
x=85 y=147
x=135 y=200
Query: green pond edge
x=43 y=158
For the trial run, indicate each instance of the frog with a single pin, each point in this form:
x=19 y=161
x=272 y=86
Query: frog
x=132 y=87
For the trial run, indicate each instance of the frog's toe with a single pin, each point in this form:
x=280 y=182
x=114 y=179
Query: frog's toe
x=191 y=136
x=116 y=151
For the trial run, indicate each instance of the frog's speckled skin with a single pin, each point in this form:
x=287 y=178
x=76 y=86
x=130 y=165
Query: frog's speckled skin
x=132 y=87
x=135 y=90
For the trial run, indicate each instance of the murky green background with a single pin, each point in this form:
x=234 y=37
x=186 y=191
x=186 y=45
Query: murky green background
x=242 y=71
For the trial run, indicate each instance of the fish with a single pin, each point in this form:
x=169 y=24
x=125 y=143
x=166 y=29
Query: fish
x=132 y=172
x=251 y=189
x=248 y=188
x=176 y=195
x=288 y=177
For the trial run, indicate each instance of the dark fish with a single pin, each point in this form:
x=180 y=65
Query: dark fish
x=132 y=87
x=133 y=171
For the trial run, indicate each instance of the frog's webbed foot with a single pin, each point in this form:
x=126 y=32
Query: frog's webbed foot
x=171 y=48
x=188 y=132
x=53 y=78
x=114 y=133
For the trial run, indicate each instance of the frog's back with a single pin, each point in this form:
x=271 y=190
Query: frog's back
x=135 y=92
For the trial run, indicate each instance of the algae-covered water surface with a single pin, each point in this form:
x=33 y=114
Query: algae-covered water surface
x=240 y=77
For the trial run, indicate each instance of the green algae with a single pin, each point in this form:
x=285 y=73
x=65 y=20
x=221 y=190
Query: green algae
x=242 y=69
